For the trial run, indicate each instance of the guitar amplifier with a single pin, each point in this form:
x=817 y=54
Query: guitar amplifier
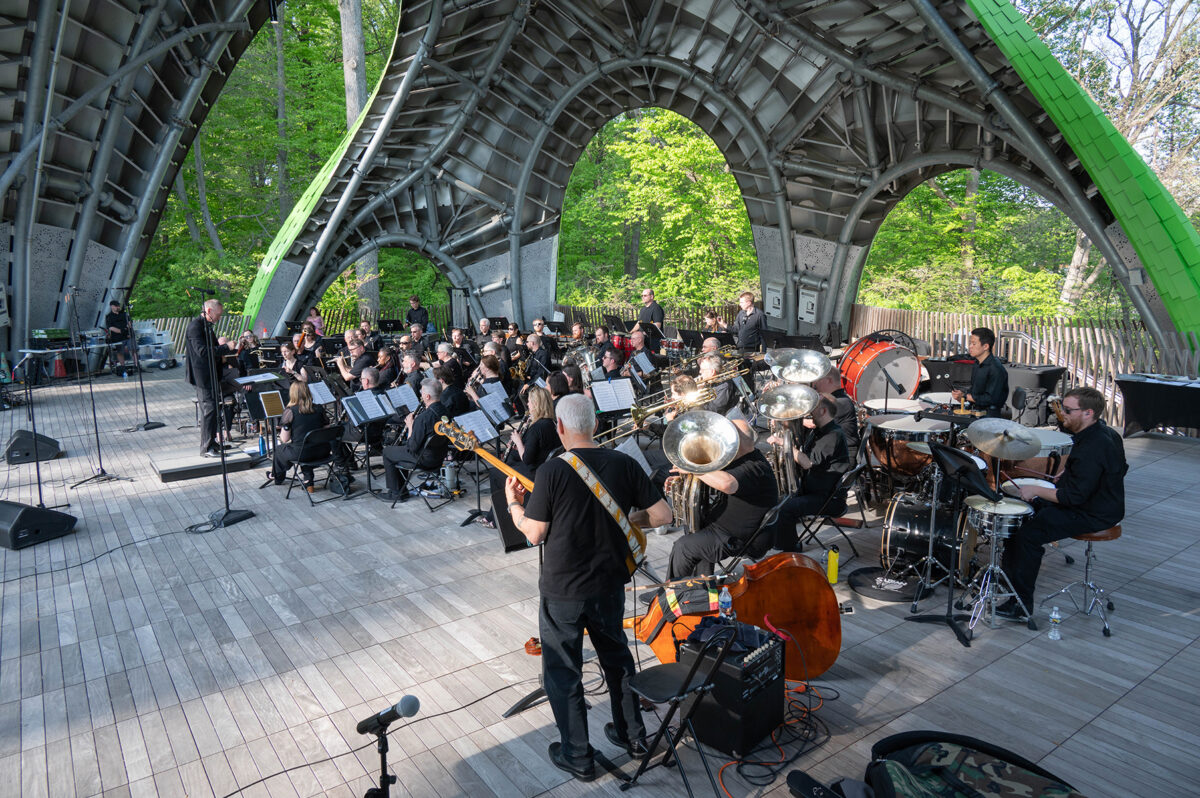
x=746 y=703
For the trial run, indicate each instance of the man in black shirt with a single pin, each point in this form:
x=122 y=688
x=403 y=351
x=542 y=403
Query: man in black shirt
x=359 y=359
x=465 y=351
x=749 y=323
x=650 y=313
x=603 y=344
x=453 y=397
x=638 y=339
x=416 y=314
x=823 y=458
x=539 y=357
x=723 y=393
x=583 y=574
x=610 y=362
x=1089 y=496
x=372 y=339
x=203 y=370
x=453 y=368
x=116 y=325
x=485 y=334
x=750 y=487
x=989 y=380
x=846 y=416
x=424 y=447
x=418 y=343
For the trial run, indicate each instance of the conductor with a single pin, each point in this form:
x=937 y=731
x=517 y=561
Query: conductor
x=203 y=371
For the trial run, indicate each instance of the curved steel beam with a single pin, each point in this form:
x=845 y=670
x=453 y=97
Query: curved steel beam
x=1048 y=161
x=689 y=74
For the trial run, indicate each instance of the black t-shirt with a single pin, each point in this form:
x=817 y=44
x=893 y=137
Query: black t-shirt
x=585 y=550
x=756 y=495
x=417 y=315
x=826 y=447
x=748 y=327
x=847 y=419
x=119 y=320
x=540 y=440
x=651 y=313
x=365 y=360
x=455 y=401
x=989 y=385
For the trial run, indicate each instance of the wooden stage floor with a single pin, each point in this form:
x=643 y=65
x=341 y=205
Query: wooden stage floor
x=179 y=664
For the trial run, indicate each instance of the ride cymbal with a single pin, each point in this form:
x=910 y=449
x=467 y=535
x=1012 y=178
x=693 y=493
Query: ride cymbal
x=1003 y=439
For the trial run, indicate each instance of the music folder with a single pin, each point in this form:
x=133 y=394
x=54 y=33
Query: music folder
x=642 y=361
x=404 y=396
x=496 y=406
x=320 y=393
x=613 y=396
x=477 y=422
x=362 y=412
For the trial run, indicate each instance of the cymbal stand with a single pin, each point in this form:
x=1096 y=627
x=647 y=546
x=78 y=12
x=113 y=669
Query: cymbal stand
x=992 y=586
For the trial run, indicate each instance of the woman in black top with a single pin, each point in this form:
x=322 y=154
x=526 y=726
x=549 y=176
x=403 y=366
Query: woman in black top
x=247 y=353
x=385 y=361
x=300 y=418
x=540 y=438
x=290 y=364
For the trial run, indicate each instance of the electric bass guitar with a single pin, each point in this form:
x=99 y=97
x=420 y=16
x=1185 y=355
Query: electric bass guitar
x=467 y=442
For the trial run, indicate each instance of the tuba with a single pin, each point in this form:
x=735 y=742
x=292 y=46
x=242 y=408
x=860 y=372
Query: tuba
x=698 y=442
x=784 y=404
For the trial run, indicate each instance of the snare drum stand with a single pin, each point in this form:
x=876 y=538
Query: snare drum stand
x=991 y=586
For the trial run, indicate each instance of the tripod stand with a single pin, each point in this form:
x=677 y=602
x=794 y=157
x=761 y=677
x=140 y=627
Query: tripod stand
x=146 y=425
x=76 y=340
x=37 y=459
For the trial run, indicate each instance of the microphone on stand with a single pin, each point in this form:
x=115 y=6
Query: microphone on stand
x=376 y=724
x=208 y=291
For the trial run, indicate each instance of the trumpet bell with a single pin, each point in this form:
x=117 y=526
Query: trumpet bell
x=787 y=402
x=798 y=365
x=701 y=441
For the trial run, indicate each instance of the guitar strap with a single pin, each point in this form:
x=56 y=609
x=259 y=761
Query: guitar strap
x=634 y=553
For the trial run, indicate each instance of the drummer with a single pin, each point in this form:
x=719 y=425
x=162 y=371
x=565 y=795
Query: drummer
x=1089 y=496
x=989 y=380
x=823 y=457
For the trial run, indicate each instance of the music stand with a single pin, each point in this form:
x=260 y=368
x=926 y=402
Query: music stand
x=962 y=468
x=692 y=339
x=723 y=338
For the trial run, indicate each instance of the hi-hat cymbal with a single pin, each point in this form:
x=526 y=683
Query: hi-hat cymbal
x=787 y=402
x=798 y=365
x=1003 y=439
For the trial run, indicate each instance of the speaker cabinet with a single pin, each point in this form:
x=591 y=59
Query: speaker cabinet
x=20 y=448
x=22 y=525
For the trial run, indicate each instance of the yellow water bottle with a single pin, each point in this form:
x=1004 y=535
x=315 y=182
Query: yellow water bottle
x=831 y=565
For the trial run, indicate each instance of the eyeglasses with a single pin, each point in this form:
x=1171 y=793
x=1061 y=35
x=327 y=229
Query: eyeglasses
x=1070 y=410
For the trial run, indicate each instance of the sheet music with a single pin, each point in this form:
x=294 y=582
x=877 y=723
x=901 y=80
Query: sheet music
x=477 y=422
x=266 y=376
x=597 y=375
x=404 y=396
x=370 y=404
x=630 y=447
x=634 y=375
x=495 y=388
x=623 y=389
x=428 y=373
x=495 y=406
x=612 y=396
x=320 y=393
x=539 y=382
x=642 y=361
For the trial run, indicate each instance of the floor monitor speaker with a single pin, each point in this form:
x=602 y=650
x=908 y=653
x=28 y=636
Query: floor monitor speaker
x=22 y=525
x=20 y=448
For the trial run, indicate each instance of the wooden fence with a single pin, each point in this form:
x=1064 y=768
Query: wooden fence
x=233 y=325
x=1092 y=352
x=686 y=317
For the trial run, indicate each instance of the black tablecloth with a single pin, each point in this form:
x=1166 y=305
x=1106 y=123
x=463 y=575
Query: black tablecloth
x=1152 y=404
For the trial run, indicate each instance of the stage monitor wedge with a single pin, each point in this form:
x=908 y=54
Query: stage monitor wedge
x=22 y=525
x=20 y=448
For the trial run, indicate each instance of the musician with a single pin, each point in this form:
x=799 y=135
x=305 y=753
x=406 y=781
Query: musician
x=116 y=327
x=410 y=372
x=709 y=346
x=1089 y=496
x=638 y=339
x=314 y=318
x=497 y=350
x=485 y=333
x=416 y=314
x=453 y=397
x=583 y=572
x=464 y=350
x=578 y=336
x=537 y=354
x=749 y=324
x=750 y=487
x=247 y=353
x=372 y=339
x=418 y=343
x=311 y=348
x=989 y=380
x=823 y=458
x=424 y=447
x=534 y=444
x=404 y=342
x=611 y=362
x=359 y=360
x=385 y=361
x=300 y=418
x=603 y=342
x=453 y=369
x=846 y=416
x=489 y=373
x=351 y=334
x=724 y=396
x=290 y=364
x=650 y=313
x=549 y=343
x=712 y=322
x=574 y=377
x=203 y=370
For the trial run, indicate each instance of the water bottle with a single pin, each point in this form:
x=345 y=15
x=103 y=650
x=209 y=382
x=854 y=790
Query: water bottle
x=725 y=604
x=831 y=565
x=262 y=445
x=1055 y=624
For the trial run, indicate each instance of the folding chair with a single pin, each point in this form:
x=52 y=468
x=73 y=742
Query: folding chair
x=311 y=448
x=438 y=445
x=676 y=683
x=723 y=567
x=814 y=523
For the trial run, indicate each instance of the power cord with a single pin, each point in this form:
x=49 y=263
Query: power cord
x=93 y=559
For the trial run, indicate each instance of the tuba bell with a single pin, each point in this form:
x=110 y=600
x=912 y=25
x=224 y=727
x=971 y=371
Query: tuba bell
x=784 y=404
x=698 y=442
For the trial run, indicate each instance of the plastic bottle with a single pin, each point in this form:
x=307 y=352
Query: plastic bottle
x=831 y=565
x=725 y=604
x=262 y=445
x=1055 y=624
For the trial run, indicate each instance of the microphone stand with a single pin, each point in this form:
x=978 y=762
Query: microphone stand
x=146 y=425
x=76 y=340
x=225 y=517
x=37 y=460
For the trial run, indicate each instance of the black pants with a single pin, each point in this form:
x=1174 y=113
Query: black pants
x=208 y=418
x=399 y=462
x=782 y=533
x=694 y=555
x=1023 y=551
x=285 y=455
x=562 y=624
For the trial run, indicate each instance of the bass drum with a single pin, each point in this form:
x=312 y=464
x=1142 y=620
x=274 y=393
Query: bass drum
x=906 y=535
x=863 y=366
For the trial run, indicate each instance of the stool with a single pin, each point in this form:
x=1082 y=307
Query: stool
x=1099 y=600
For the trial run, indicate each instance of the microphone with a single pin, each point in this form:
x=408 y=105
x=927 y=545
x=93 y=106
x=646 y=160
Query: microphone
x=376 y=724
x=208 y=291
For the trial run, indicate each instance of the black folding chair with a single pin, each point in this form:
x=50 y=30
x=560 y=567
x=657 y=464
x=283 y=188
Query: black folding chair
x=731 y=561
x=827 y=515
x=316 y=451
x=675 y=683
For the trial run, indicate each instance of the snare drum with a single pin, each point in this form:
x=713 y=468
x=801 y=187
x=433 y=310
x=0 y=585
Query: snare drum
x=936 y=399
x=893 y=405
x=863 y=365
x=889 y=442
x=906 y=534
x=996 y=520
x=1013 y=486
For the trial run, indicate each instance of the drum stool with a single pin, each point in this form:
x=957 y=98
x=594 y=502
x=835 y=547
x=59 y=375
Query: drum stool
x=1099 y=599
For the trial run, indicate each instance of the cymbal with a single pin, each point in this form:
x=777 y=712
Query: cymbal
x=788 y=401
x=798 y=365
x=1003 y=439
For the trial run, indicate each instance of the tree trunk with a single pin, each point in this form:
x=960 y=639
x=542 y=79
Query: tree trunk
x=1080 y=275
x=185 y=203
x=281 y=153
x=202 y=198
x=633 y=246
x=970 y=217
x=354 y=74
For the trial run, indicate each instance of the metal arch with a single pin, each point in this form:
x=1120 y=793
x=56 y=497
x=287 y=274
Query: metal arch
x=689 y=74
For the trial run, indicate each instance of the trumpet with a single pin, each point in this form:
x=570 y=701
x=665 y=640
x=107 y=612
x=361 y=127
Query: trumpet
x=728 y=372
x=639 y=414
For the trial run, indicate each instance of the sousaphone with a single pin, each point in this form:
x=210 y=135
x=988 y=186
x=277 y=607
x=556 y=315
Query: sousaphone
x=698 y=442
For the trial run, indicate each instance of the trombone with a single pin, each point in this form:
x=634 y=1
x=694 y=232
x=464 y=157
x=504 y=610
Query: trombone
x=637 y=414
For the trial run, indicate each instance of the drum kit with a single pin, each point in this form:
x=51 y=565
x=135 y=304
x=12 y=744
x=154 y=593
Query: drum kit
x=955 y=512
